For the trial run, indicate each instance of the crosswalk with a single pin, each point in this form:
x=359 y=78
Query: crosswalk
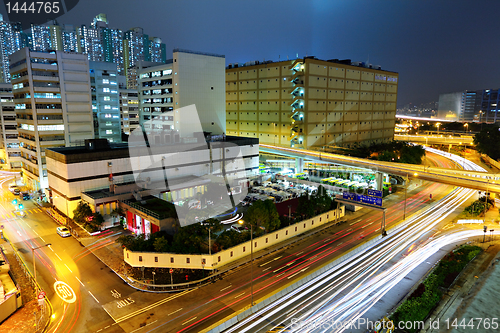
x=15 y=214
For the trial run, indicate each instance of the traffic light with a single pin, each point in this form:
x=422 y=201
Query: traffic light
x=14 y=201
x=20 y=206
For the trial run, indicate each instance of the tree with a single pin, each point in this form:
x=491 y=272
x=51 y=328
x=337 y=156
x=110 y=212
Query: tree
x=263 y=214
x=304 y=207
x=95 y=221
x=488 y=142
x=322 y=200
x=161 y=244
x=82 y=212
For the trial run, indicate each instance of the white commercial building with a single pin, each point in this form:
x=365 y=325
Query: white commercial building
x=53 y=106
x=189 y=78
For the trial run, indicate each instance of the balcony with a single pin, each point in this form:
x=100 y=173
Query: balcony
x=45 y=67
x=30 y=161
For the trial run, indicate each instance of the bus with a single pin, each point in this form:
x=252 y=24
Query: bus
x=342 y=182
x=351 y=185
x=327 y=180
x=387 y=186
x=264 y=169
x=301 y=175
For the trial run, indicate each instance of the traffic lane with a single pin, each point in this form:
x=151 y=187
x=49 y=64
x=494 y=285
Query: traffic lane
x=194 y=320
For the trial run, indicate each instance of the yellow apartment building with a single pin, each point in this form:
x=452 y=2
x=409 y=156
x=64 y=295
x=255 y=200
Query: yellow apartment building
x=309 y=102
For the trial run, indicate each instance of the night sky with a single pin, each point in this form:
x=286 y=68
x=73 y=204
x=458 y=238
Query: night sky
x=436 y=46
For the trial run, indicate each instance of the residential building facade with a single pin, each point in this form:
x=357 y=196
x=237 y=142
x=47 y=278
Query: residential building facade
x=9 y=146
x=189 y=78
x=53 y=106
x=105 y=101
x=311 y=103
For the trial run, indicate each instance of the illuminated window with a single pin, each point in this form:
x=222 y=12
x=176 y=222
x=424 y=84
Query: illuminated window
x=105 y=90
x=109 y=131
x=105 y=81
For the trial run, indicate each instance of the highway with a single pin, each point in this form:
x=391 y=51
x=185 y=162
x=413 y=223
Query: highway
x=431 y=139
x=348 y=290
x=105 y=304
x=474 y=179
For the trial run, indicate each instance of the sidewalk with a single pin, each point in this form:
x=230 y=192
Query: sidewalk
x=23 y=319
x=465 y=289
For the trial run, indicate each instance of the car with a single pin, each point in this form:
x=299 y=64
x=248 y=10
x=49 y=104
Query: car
x=238 y=228
x=21 y=213
x=25 y=195
x=63 y=232
x=16 y=191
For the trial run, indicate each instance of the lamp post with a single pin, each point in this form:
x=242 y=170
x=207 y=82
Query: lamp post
x=481 y=118
x=437 y=125
x=251 y=260
x=466 y=125
x=34 y=261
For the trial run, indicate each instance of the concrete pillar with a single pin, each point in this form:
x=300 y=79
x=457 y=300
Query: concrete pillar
x=299 y=165
x=379 y=180
x=386 y=178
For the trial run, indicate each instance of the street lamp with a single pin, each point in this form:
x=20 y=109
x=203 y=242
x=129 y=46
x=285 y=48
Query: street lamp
x=466 y=125
x=437 y=125
x=481 y=118
x=251 y=260
x=34 y=261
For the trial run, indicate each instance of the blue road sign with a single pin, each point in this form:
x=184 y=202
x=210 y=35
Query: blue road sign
x=350 y=196
x=374 y=193
x=370 y=200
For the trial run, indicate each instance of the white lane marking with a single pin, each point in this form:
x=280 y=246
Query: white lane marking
x=58 y=256
x=184 y=323
x=326 y=240
x=19 y=233
x=270 y=261
x=290 y=263
x=68 y=268
x=302 y=270
x=340 y=243
x=300 y=253
x=36 y=233
x=243 y=293
x=266 y=269
x=365 y=226
x=42 y=238
x=226 y=287
x=140 y=328
x=94 y=298
x=355 y=222
x=171 y=313
x=80 y=281
x=50 y=247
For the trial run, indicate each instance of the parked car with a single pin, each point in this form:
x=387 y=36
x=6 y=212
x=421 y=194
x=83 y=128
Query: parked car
x=16 y=191
x=238 y=228
x=63 y=232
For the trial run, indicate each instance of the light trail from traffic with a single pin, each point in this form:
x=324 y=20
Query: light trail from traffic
x=346 y=291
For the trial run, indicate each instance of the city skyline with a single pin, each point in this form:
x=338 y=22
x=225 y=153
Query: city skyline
x=433 y=51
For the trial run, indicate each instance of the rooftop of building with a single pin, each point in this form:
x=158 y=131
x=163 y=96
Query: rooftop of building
x=102 y=149
x=199 y=53
x=346 y=62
